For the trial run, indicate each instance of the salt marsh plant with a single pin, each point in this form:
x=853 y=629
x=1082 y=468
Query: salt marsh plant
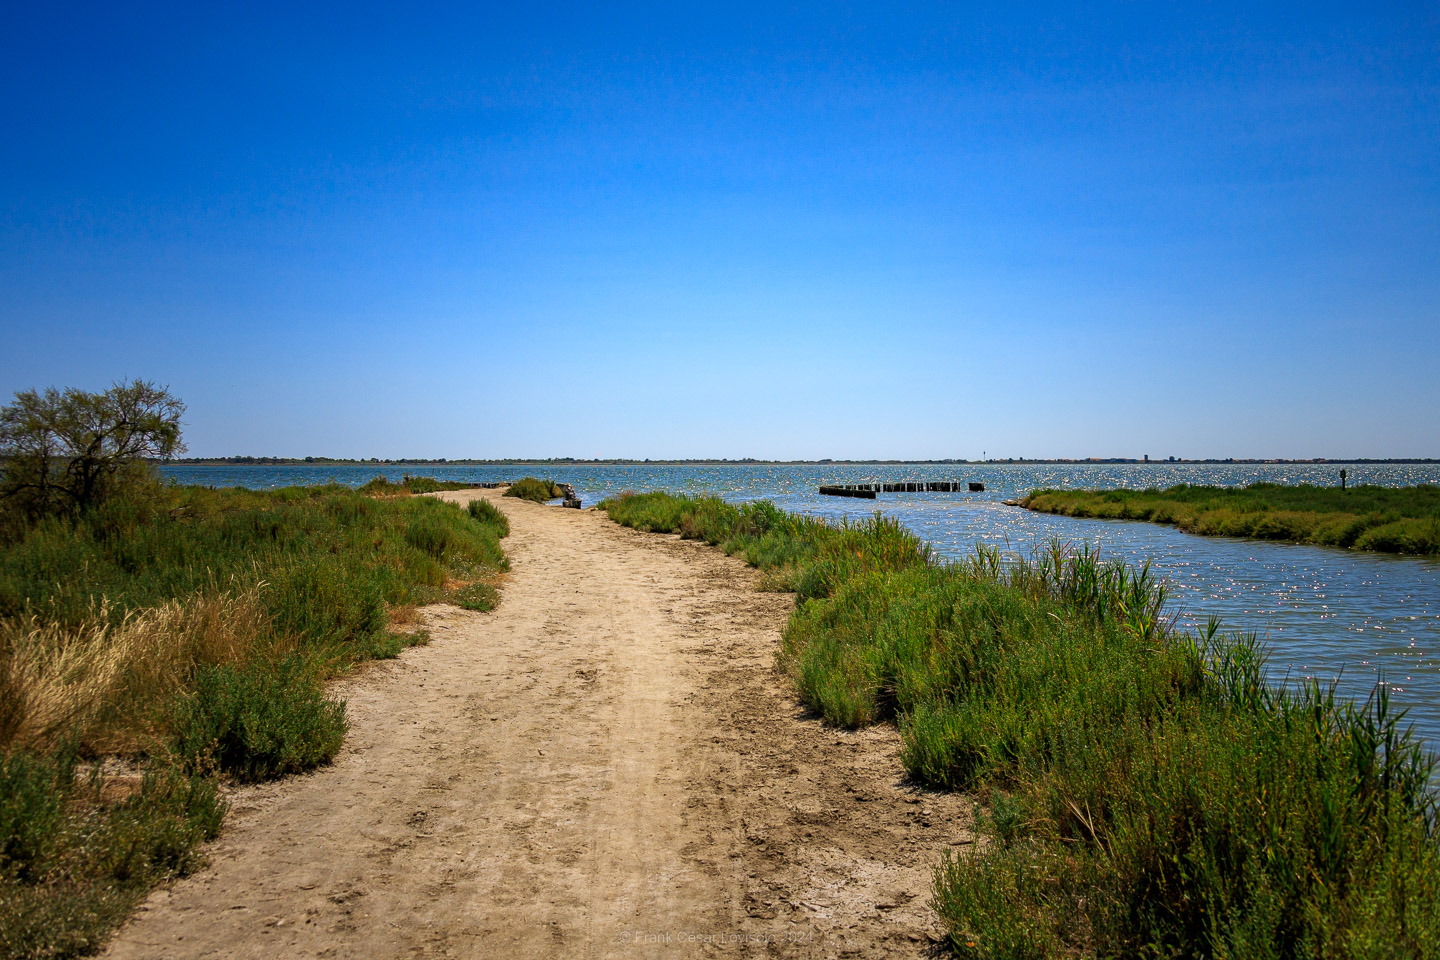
x=488 y=514
x=258 y=720
x=379 y=486
x=74 y=860
x=1152 y=795
x=191 y=632
x=540 y=491
x=1384 y=519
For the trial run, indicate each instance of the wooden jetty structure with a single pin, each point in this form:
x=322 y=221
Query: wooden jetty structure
x=863 y=491
x=869 y=490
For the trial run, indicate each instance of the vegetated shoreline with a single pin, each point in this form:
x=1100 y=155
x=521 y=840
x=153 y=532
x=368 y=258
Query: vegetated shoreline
x=1148 y=792
x=534 y=490
x=1403 y=520
x=241 y=461
x=190 y=632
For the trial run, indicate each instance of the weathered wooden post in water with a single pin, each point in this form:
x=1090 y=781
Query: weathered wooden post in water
x=1342 y=478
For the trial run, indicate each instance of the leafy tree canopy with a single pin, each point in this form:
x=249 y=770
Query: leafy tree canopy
x=66 y=452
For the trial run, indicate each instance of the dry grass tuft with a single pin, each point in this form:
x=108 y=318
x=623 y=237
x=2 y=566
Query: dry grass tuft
x=405 y=615
x=103 y=687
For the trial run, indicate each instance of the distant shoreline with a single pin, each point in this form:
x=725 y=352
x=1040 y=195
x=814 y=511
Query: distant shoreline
x=1402 y=520
x=746 y=462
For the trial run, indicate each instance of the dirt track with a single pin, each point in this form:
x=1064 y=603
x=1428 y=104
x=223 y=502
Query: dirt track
x=606 y=765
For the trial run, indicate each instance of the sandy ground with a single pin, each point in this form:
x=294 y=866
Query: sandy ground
x=607 y=765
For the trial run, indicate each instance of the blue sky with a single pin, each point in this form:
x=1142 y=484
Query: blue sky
x=772 y=231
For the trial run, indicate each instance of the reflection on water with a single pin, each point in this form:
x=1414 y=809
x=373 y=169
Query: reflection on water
x=1325 y=613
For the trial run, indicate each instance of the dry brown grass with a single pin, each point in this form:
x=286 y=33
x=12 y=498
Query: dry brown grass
x=104 y=687
x=403 y=616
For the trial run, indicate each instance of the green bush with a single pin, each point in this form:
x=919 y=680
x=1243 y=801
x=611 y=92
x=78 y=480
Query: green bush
x=989 y=906
x=476 y=596
x=260 y=721
x=529 y=488
x=75 y=865
x=379 y=486
x=428 y=536
x=484 y=512
x=32 y=806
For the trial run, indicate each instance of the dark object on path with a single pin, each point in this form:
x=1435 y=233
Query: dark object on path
x=976 y=487
x=572 y=502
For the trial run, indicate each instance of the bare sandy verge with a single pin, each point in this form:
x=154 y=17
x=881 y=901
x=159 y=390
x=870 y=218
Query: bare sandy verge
x=606 y=765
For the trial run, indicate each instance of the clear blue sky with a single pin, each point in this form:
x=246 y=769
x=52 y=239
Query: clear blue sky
x=772 y=230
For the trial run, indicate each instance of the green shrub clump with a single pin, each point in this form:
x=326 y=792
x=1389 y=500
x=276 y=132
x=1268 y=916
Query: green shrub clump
x=258 y=721
x=408 y=485
x=74 y=861
x=1149 y=793
x=540 y=491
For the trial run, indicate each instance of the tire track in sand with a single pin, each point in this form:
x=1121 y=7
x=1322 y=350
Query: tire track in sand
x=606 y=765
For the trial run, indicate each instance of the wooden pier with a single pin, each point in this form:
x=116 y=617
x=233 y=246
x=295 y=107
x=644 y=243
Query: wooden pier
x=863 y=491
x=869 y=490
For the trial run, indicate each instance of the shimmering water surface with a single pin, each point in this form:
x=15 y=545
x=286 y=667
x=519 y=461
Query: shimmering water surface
x=1324 y=612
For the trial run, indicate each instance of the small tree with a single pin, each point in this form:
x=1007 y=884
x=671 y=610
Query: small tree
x=67 y=452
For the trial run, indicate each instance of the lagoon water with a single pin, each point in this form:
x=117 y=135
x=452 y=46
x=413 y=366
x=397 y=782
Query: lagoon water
x=1326 y=613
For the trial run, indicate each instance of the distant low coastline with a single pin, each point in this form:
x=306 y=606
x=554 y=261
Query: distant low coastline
x=750 y=461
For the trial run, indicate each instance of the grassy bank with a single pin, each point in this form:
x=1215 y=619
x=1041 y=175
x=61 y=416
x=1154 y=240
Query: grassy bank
x=189 y=632
x=379 y=486
x=540 y=491
x=1145 y=792
x=1384 y=519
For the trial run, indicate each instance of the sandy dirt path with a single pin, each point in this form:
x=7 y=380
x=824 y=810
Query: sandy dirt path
x=607 y=765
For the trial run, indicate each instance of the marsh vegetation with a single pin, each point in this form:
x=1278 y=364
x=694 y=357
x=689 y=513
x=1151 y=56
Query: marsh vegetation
x=380 y=486
x=154 y=639
x=540 y=491
x=1383 y=519
x=1145 y=792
